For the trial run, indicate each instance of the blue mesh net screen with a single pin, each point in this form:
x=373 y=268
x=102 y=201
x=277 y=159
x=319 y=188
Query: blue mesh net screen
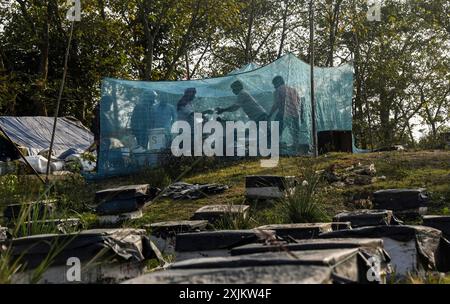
x=136 y=116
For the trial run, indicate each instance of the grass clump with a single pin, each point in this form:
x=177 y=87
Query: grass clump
x=235 y=221
x=426 y=278
x=31 y=220
x=304 y=204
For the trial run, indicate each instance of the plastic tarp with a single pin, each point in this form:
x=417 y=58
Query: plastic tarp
x=135 y=128
x=34 y=133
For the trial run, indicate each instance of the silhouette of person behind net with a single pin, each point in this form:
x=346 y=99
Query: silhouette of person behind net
x=141 y=118
x=289 y=109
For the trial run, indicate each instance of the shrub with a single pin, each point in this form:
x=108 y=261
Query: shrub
x=304 y=204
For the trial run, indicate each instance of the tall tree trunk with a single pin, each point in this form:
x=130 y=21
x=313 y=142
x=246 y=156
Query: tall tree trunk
x=333 y=31
x=284 y=28
x=248 y=38
x=369 y=115
x=2 y=64
x=432 y=122
x=101 y=4
x=359 y=112
x=149 y=41
x=186 y=60
x=151 y=30
x=386 y=131
x=410 y=133
x=359 y=93
x=44 y=46
x=184 y=41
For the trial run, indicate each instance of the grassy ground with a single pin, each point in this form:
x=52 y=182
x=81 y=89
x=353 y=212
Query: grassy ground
x=430 y=170
x=427 y=169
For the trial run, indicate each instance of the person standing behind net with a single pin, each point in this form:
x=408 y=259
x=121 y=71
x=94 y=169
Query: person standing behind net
x=141 y=118
x=254 y=111
x=247 y=102
x=185 y=108
x=164 y=115
x=289 y=107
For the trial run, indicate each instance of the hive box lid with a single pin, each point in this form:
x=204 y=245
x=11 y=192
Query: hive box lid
x=440 y=222
x=426 y=241
x=219 y=209
x=281 y=274
x=40 y=209
x=125 y=244
x=212 y=213
x=436 y=218
x=177 y=226
x=120 y=206
x=126 y=192
x=214 y=240
x=313 y=244
x=365 y=217
x=326 y=257
x=300 y=230
x=400 y=199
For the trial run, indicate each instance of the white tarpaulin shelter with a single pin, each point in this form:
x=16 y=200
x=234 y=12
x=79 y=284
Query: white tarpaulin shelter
x=34 y=133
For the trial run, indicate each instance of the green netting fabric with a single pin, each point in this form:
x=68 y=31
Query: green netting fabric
x=246 y=68
x=135 y=123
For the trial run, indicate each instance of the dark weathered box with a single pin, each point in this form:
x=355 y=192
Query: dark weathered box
x=124 y=199
x=300 y=230
x=114 y=220
x=365 y=217
x=212 y=213
x=114 y=255
x=126 y=192
x=411 y=248
x=440 y=222
x=401 y=201
x=341 y=225
x=163 y=234
x=279 y=274
x=312 y=244
x=211 y=243
x=268 y=186
x=34 y=210
x=61 y=225
x=170 y=228
x=346 y=264
x=114 y=207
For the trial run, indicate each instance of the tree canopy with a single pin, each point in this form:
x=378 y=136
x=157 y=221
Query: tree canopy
x=401 y=63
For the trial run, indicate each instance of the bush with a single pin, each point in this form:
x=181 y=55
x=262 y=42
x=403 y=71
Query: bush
x=304 y=204
x=19 y=188
x=72 y=194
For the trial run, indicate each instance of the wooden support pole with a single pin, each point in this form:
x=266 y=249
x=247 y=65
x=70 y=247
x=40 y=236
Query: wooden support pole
x=311 y=63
